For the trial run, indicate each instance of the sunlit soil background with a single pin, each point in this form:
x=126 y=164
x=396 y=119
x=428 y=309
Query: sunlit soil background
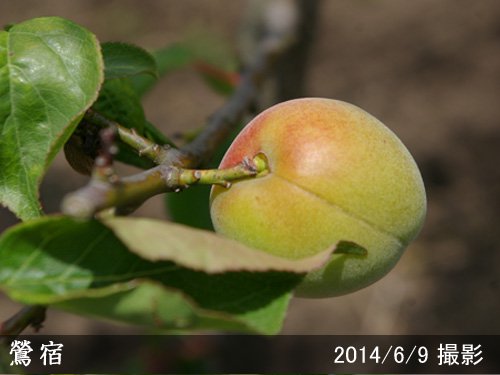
x=429 y=69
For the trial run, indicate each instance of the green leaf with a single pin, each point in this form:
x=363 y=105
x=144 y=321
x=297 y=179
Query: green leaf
x=202 y=250
x=211 y=55
x=180 y=207
x=214 y=60
x=212 y=49
x=221 y=81
x=50 y=73
x=118 y=101
x=190 y=207
x=167 y=59
x=60 y=260
x=125 y=60
x=155 y=306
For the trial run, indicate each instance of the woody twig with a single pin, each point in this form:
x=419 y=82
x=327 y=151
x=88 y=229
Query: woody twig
x=172 y=162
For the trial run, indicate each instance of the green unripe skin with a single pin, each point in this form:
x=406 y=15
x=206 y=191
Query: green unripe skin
x=336 y=173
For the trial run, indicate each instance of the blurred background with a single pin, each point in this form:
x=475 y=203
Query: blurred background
x=429 y=69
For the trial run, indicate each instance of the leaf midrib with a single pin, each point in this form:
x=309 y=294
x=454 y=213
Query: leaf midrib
x=16 y=128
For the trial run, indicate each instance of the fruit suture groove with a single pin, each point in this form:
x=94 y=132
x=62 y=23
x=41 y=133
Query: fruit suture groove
x=340 y=176
x=344 y=211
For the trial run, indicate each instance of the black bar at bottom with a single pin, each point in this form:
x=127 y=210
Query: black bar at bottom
x=208 y=354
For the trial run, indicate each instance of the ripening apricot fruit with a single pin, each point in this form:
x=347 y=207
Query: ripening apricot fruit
x=335 y=175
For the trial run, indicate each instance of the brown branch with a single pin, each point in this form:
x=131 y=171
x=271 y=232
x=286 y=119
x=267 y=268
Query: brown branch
x=133 y=190
x=171 y=173
x=279 y=39
x=32 y=316
x=227 y=117
x=130 y=192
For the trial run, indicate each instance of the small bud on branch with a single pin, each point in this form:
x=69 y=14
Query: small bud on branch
x=28 y=316
x=175 y=166
x=99 y=194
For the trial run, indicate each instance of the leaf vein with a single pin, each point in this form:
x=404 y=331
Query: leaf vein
x=102 y=278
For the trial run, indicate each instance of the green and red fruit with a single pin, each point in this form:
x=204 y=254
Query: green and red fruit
x=335 y=175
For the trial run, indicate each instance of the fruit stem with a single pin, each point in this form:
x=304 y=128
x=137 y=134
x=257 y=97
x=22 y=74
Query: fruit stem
x=101 y=194
x=257 y=166
x=173 y=171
